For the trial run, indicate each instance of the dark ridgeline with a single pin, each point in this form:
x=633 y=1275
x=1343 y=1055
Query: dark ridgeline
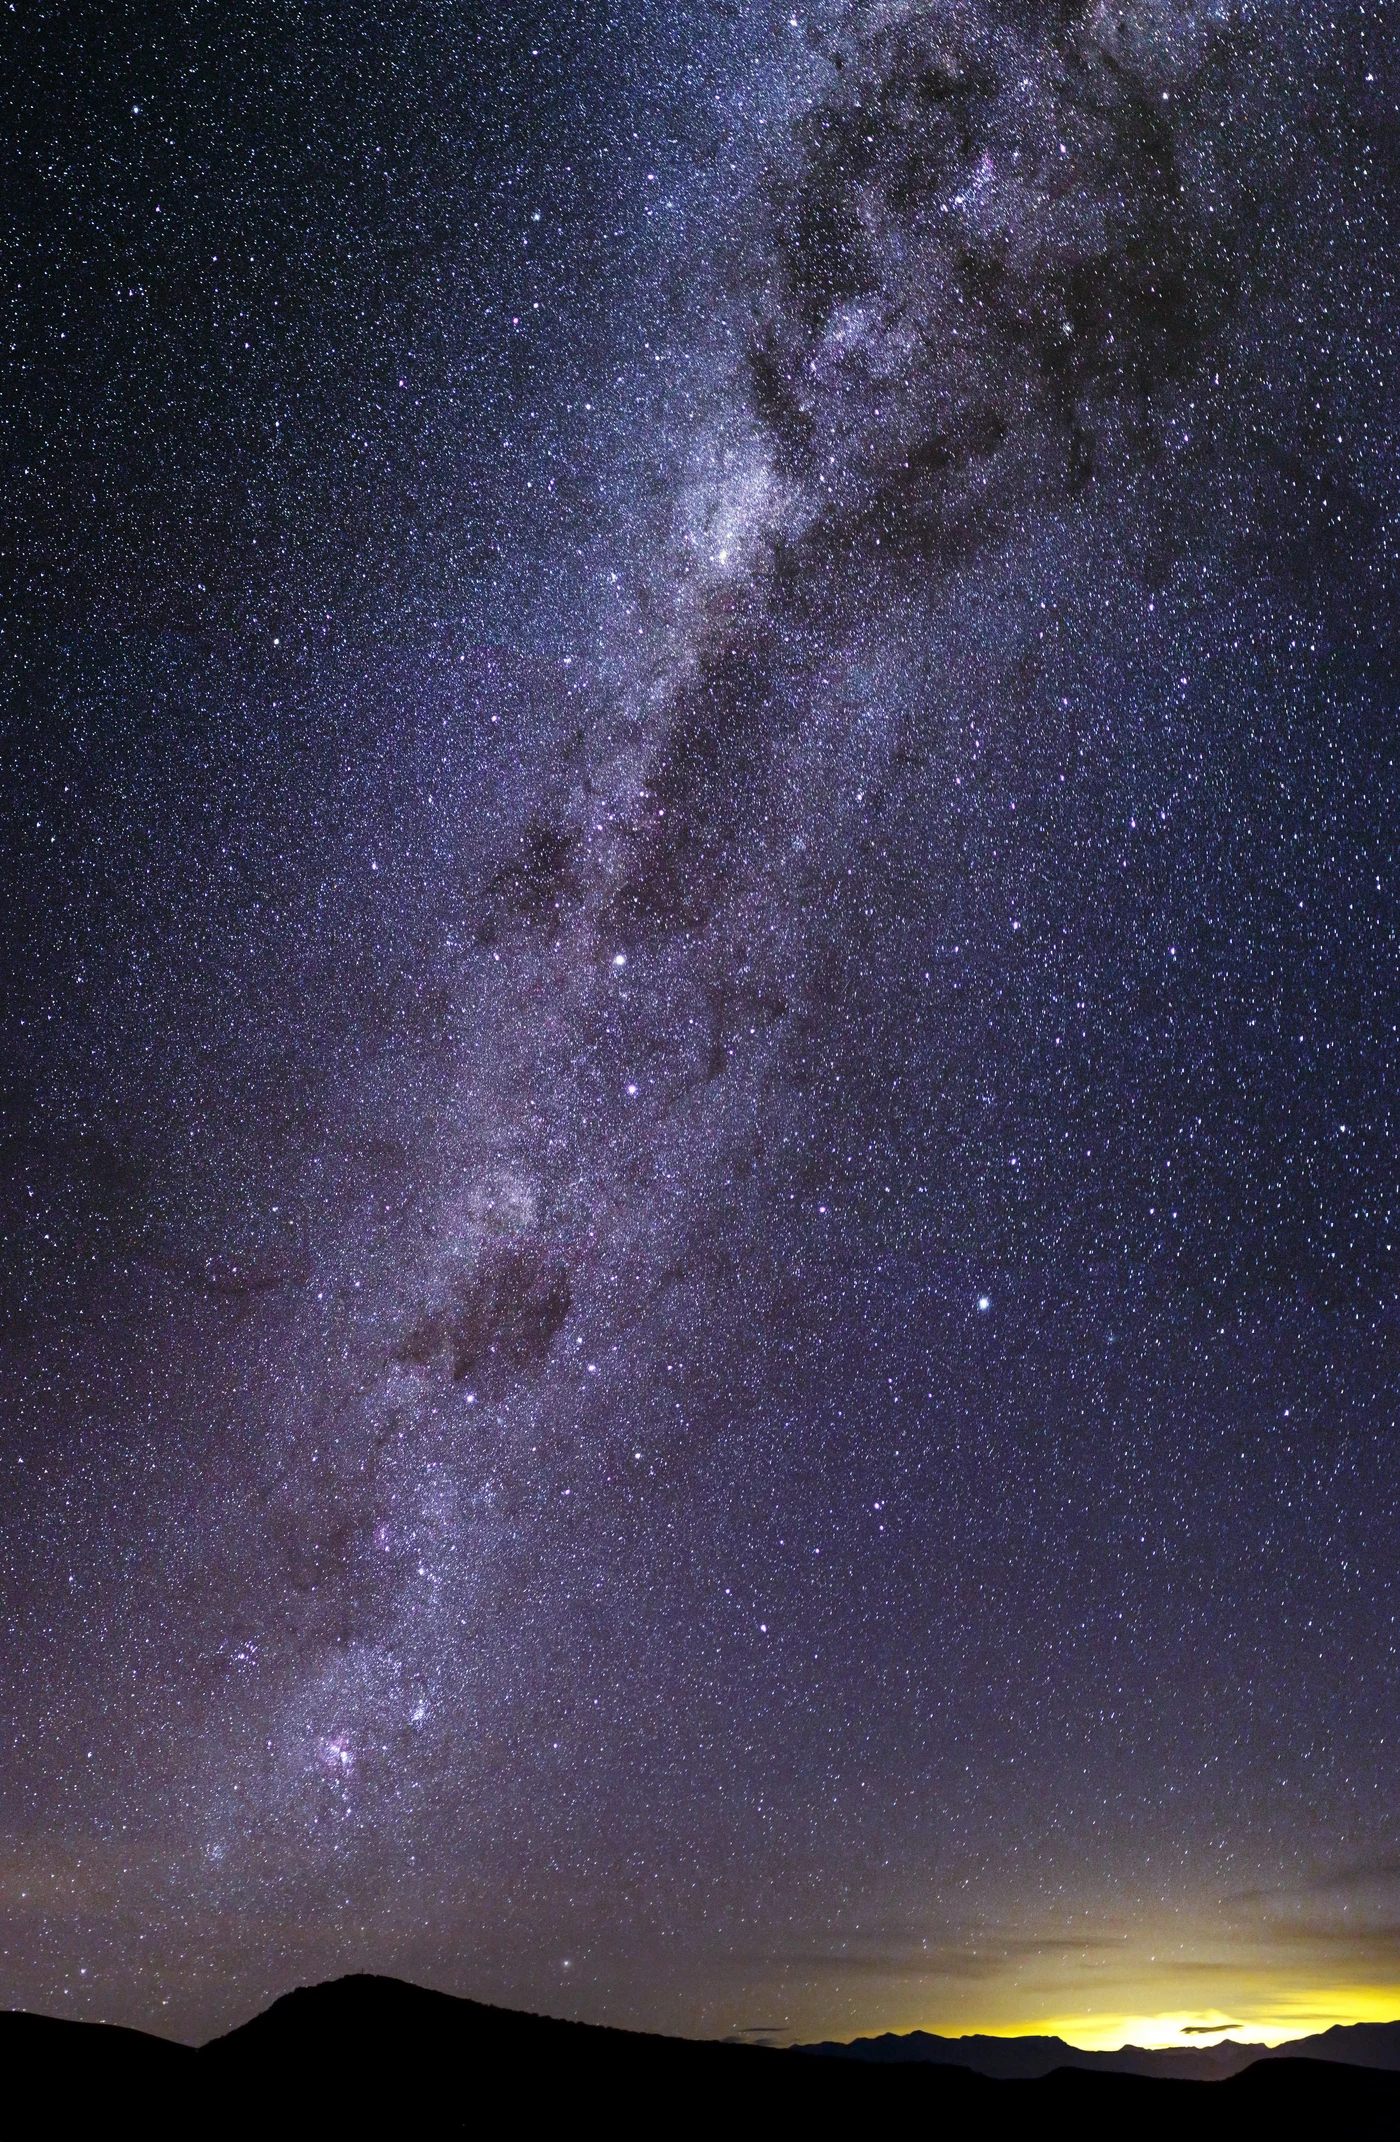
x=1026 y=2059
x=370 y=2054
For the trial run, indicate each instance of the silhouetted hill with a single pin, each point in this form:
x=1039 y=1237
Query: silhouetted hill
x=1026 y=2059
x=73 y=2052
x=1363 y=2045
x=370 y=2055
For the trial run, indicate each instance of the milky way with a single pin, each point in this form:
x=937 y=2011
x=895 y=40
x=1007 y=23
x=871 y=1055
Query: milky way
x=701 y=1277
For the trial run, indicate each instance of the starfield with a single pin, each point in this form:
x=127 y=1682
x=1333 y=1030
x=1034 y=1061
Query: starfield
x=699 y=1036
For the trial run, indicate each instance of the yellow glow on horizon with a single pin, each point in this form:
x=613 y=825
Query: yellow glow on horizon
x=1255 y=2021
x=1259 y=1968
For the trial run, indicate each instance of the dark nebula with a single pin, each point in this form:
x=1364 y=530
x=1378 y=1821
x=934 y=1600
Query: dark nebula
x=701 y=1271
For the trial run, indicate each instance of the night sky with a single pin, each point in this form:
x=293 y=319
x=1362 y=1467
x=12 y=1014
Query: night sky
x=699 y=1016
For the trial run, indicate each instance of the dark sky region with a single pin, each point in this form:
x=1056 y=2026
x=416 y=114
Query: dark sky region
x=701 y=1268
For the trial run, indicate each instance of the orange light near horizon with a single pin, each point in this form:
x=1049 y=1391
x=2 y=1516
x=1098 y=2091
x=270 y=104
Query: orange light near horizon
x=1255 y=2020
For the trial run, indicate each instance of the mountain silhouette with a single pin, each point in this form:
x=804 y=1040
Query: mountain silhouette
x=1027 y=2059
x=368 y=2055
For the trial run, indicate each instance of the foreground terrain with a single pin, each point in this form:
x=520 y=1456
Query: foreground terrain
x=365 y=2053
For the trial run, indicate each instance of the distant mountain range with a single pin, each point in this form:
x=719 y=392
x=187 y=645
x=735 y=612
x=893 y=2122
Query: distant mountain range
x=372 y=2055
x=1353 y=2045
